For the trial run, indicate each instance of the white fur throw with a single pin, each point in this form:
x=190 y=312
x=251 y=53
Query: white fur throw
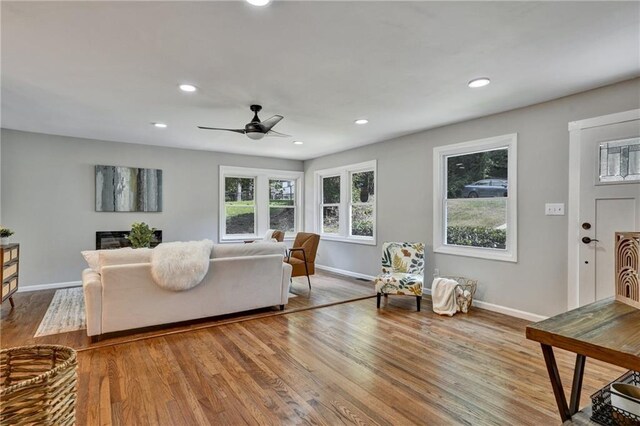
x=180 y=266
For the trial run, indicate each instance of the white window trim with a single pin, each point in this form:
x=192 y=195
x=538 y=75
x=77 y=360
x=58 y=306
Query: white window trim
x=440 y=154
x=345 y=173
x=261 y=195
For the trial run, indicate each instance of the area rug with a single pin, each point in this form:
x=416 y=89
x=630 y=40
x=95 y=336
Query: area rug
x=65 y=313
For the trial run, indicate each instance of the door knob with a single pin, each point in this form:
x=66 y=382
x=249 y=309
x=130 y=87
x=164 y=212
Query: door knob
x=588 y=240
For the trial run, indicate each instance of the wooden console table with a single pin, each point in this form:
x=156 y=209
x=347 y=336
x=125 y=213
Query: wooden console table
x=10 y=257
x=606 y=330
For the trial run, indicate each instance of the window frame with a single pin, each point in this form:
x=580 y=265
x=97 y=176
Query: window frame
x=323 y=205
x=261 y=199
x=440 y=155
x=295 y=207
x=346 y=203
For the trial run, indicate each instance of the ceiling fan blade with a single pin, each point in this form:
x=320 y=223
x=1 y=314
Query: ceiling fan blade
x=218 y=128
x=270 y=122
x=277 y=134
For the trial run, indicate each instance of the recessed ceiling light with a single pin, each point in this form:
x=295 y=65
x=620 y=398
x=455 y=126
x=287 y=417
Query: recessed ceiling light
x=479 y=82
x=361 y=121
x=187 y=88
x=259 y=2
x=160 y=125
x=298 y=142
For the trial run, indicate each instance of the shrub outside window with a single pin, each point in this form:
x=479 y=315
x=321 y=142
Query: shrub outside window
x=475 y=198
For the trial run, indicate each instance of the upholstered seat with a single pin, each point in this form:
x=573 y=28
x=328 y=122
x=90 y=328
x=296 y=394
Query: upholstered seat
x=399 y=283
x=402 y=271
x=302 y=256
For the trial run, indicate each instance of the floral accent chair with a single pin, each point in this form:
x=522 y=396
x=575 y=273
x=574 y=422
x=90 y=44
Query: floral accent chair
x=402 y=270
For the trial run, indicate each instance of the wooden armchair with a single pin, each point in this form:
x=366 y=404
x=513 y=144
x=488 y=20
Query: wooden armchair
x=302 y=256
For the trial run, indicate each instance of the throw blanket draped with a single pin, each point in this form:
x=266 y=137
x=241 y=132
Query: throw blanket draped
x=180 y=266
x=443 y=294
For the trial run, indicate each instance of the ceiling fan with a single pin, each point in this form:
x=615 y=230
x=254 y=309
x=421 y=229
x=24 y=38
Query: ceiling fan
x=256 y=129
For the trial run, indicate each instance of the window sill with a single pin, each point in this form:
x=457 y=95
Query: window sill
x=364 y=241
x=478 y=252
x=242 y=240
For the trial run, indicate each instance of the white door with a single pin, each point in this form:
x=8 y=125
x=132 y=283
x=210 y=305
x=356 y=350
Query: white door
x=608 y=204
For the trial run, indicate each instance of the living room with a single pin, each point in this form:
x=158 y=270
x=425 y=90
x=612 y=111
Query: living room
x=356 y=128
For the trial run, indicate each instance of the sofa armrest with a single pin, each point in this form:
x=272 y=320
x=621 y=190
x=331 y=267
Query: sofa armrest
x=92 y=289
x=286 y=282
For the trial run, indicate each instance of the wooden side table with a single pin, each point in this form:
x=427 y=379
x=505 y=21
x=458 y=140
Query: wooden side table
x=10 y=258
x=606 y=330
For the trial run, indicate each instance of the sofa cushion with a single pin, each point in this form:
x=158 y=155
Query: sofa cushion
x=240 y=250
x=123 y=256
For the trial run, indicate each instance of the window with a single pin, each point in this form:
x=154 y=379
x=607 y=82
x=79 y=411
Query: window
x=282 y=205
x=346 y=203
x=475 y=199
x=331 y=205
x=256 y=200
x=362 y=203
x=240 y=205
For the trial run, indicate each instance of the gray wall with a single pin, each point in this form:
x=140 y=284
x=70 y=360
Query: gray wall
x=538 y=282
x=48 y=196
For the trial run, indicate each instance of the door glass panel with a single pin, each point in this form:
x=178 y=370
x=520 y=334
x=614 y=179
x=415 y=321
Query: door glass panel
x=620 y=161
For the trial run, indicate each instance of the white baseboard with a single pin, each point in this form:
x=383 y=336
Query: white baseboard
x=504 y=310
x=345 y=273
x=52 y=286
x=479 y=303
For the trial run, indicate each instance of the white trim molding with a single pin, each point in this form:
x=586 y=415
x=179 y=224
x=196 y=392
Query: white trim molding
x=344 y=206
x=261 y=199
x=440 y=154
x=345 y=272
x=476 y=303
x=51 y=286
x=574 y=298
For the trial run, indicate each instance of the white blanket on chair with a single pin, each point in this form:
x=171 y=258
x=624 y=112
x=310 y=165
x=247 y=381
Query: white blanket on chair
x=443 y=295
x=180 y=266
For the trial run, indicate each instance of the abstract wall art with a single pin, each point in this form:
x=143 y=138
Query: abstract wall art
x=128 y=189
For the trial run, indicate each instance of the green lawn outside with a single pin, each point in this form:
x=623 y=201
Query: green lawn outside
x=477 y=212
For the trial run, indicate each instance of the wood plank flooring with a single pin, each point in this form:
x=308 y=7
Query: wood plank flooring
x=344 y=364
x=19 y=325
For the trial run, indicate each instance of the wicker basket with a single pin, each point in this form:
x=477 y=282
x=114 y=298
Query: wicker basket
x=465 y=284
x=38 y=385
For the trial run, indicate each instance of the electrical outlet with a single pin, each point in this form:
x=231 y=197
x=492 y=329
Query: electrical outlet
x=554 y=209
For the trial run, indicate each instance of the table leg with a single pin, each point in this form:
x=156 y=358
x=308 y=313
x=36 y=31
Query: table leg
x=556 y=383
x=576 y=387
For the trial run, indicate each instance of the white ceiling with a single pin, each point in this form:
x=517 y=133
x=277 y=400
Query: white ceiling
x=106 y=70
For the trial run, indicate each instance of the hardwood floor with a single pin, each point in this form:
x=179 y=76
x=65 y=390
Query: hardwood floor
x=19 y=325
x=344 y=364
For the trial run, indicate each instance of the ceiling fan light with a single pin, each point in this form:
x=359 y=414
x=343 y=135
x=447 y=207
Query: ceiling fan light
x=255 y=135
x=259 y=2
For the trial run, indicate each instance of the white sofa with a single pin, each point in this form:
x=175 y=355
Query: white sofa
x=120 y=293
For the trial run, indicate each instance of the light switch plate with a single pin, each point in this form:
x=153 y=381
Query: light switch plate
x=554 y=209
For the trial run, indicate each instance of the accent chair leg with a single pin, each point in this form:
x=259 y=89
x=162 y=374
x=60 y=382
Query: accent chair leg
x=306 y=268
x=379 y=298
x=282 y=307
x=418 y=300
x=13 y=305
